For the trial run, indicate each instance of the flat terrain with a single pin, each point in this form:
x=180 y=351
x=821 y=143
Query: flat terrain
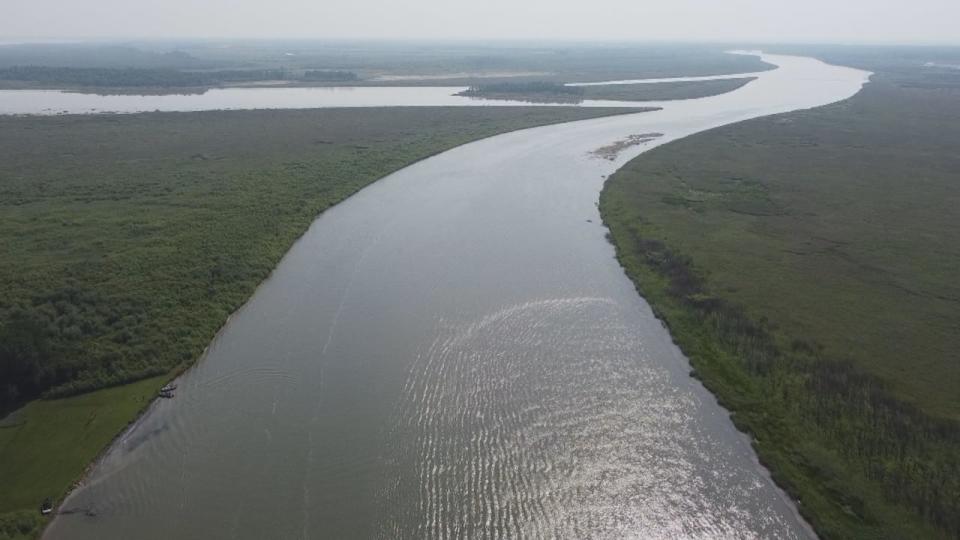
x=665 y=91
x=556 y=93
x=185 y=65
x=809 y=264
x=129 y=239
x=47 y=444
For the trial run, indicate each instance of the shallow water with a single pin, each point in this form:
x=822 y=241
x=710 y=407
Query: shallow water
x=454 y=352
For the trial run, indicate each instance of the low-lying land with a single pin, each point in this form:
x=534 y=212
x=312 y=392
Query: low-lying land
x=665 y=91
x=534 y=91
x=547 y=92
x=809 y=265
x=156 y=80
x=129 y=239
x=192 y=67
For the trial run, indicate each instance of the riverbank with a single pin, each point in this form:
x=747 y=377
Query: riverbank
x=458 y=304
x=132 y=238
x=192 y=66
x=818 y=301
x=558 y=93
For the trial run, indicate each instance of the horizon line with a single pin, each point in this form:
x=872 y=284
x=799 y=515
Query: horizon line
x=49 y=40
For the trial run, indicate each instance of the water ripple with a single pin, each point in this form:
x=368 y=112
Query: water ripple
x=544 y=420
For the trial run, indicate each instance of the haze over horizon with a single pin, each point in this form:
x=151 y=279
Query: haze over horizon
x=878 y=21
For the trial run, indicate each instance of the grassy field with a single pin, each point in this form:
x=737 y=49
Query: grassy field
x=809 y=265
x=556 y=93
x=128 y=240
x=46 y=445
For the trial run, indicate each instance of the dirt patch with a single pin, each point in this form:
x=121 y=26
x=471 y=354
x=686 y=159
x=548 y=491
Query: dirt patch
x=611 y=151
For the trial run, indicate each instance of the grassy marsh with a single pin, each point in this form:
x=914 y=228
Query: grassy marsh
x=807 y=264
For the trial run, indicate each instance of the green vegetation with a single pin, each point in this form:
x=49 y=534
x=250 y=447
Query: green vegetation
x=548 y=92
x=129 y=239
x=54 y=77
x=96 y=55
x=102 y=77
x=809 y=265
x=664 y=91
x=929 y=67
x=375 y=62
x=527 y=91
x=45 y=446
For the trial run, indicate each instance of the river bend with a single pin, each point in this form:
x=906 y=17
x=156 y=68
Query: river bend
x=454 y=352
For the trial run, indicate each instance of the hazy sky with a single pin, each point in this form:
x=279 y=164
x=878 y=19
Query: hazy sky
x=921 y=21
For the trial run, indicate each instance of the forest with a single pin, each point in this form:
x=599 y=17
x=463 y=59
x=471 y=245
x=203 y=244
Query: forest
x=97 y=241
x=129 y=240
x=158 y=77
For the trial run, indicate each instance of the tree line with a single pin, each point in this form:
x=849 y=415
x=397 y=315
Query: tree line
x=140 y=78
x=519 y=87
x=45 y=345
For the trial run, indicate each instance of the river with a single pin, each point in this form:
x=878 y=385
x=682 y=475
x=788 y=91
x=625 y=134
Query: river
x=51 y=102
x=454 y=352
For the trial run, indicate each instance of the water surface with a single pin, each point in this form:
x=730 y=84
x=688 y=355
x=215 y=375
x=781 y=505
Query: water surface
x=454 y=352
x=49 y=102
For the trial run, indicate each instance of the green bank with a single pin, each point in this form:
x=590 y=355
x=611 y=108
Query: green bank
x=553 y=92
x=192 y=66
x=129 y=239
x=809 y=266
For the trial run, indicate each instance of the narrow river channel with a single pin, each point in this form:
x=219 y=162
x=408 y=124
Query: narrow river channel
x=454 y=352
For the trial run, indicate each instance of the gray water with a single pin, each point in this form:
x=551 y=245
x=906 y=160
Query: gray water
x=454 y=352
x=53 y=102
x=49 y=102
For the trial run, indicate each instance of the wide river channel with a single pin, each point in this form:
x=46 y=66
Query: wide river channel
x=454 y=352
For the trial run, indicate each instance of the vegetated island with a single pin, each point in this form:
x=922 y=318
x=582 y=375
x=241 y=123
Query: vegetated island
x=144 y=81
x=129 y=239
x=192 y=67
x=808 y=264
x=551 y=92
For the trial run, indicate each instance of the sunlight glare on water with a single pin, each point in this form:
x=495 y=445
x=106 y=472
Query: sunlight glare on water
x=454 y=352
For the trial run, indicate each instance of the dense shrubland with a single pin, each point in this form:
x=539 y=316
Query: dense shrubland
x=540 y=91
x=768 y=248
x=159 y=78
x=129 y=239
